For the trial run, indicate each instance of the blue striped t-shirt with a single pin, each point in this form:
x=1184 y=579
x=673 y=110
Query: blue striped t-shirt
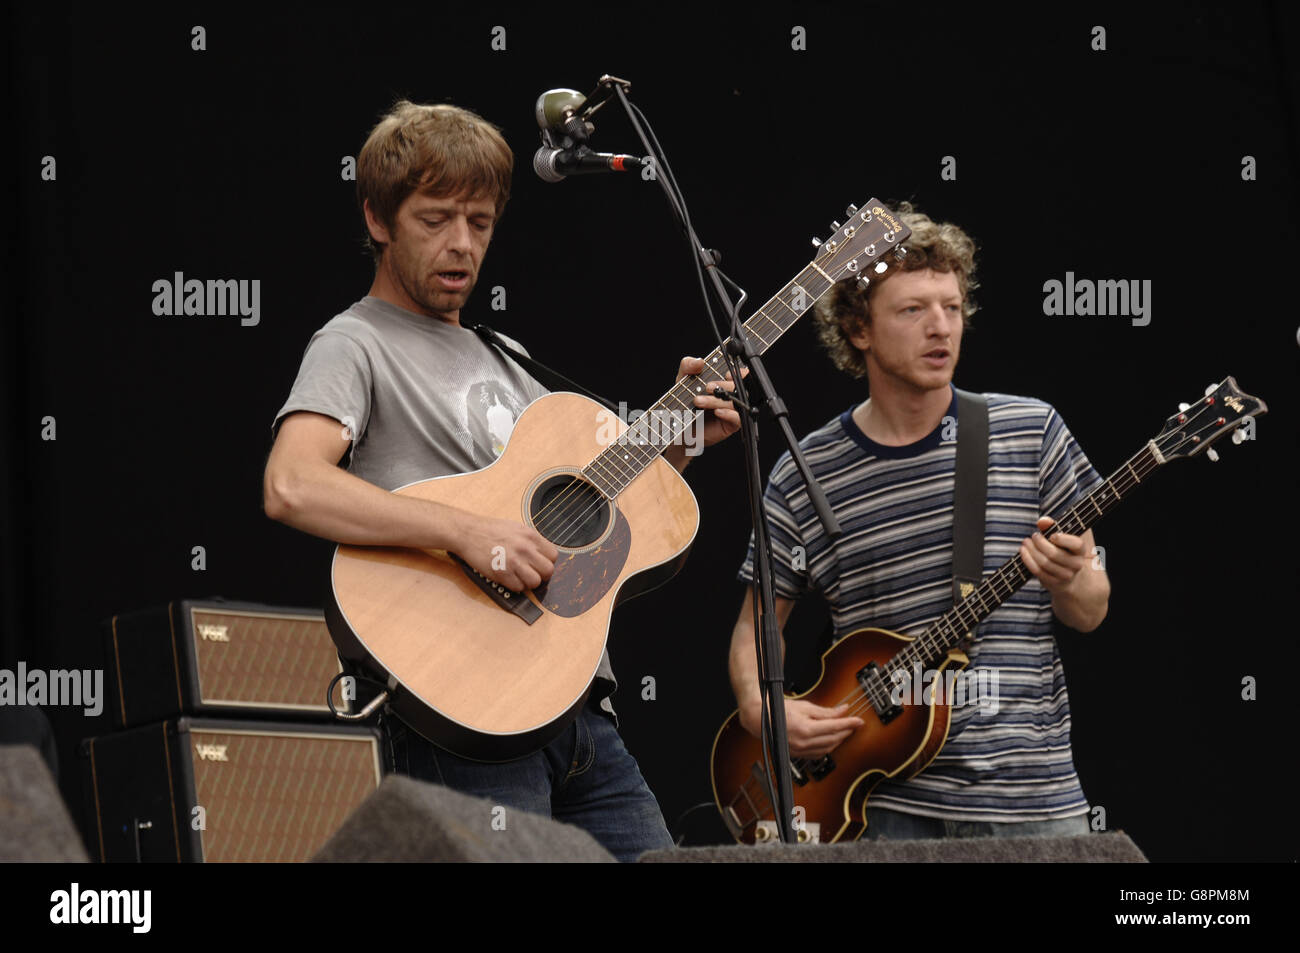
x=892 y=569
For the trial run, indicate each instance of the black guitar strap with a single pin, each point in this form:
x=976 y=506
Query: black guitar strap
x=546 y=375
x=970 y=493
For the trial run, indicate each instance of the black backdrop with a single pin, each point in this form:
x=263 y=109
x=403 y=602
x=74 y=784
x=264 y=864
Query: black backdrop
x=1122 y=163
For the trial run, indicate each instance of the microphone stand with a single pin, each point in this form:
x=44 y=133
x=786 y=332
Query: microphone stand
x=738 y=346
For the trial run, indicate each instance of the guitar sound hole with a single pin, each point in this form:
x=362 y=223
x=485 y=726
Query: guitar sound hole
x=569 y=511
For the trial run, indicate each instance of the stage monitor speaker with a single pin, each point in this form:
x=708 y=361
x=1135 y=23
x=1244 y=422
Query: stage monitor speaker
x=219 y=659
x=413 y=821
x=208 y=790
x=1109 y=848
x=35 y=826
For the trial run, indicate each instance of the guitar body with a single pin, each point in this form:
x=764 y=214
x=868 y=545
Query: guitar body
x=470 y=675
x=833 y=793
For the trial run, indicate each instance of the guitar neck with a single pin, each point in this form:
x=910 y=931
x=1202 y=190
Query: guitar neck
x=951 y=629
x=614 y=469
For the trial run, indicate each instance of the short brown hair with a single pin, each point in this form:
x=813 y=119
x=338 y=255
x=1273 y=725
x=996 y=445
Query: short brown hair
x=846 y=310
x=438 y=150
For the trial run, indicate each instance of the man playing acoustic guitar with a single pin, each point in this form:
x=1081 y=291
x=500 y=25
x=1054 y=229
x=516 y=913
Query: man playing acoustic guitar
x=887 y=466
x=397 y=382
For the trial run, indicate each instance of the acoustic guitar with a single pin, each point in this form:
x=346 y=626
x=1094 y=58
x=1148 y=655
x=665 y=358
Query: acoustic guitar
x=874 y=670
x=491 y=674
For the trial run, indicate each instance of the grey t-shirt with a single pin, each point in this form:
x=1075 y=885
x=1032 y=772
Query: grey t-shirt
x=423 y=398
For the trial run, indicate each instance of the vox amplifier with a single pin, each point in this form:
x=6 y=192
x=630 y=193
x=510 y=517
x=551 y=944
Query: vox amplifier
x=219 y=658
x=195 y=789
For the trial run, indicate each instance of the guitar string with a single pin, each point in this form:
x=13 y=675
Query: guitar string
x=578 y=492
x=575 y=490
x=562 y=517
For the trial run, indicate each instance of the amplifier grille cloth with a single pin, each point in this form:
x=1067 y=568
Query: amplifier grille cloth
x=267 y=660
x=277 y=797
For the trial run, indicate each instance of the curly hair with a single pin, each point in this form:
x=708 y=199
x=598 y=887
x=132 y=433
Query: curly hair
x=434 y=149
x=843 y=312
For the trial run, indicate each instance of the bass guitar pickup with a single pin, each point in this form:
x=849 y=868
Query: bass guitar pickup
x=514 y=602
x=802 y=770
x=877 y=692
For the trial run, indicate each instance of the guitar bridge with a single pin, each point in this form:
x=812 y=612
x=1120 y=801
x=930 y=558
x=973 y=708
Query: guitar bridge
x=514 y=602
x=877 y=692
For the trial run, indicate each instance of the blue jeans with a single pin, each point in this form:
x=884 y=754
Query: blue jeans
x=883 y=823
x=585 y=777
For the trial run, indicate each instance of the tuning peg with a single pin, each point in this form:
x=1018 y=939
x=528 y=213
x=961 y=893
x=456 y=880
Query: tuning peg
x=835 y=226
x=882 y=267
x=900 y=253
x=863 y=284
x=1211 y=389
x=1214 y=457
x=1238 y=436
x=850 y=211
x=817 y=243
x=1182 y=408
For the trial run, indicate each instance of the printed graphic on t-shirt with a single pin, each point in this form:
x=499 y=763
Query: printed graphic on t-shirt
x=491 y=410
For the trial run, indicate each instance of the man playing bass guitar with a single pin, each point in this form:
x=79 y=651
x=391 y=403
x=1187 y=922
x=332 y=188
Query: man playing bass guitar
x=887 y=466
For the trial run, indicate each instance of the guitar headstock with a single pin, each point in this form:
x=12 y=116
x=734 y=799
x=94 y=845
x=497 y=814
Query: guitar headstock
x=868 y=244
x=1225 y=409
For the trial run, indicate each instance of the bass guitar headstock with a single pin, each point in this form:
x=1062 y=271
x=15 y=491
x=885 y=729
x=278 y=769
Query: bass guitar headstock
x=1225 y=409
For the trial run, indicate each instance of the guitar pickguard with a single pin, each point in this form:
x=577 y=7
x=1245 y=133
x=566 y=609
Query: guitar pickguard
x=581 y=579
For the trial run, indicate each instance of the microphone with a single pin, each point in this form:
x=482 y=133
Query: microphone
x=564 y=148
x=552 y=165
x=556 y=113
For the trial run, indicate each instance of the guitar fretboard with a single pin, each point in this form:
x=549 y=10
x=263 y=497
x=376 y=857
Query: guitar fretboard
x=951 y=629
x=614 y=469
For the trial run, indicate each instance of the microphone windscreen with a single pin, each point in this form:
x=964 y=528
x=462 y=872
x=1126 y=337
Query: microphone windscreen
x=544 y=164
x=554 y=105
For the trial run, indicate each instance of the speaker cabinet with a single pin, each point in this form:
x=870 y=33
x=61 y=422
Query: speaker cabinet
x=211 y=790
x=219 y=659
